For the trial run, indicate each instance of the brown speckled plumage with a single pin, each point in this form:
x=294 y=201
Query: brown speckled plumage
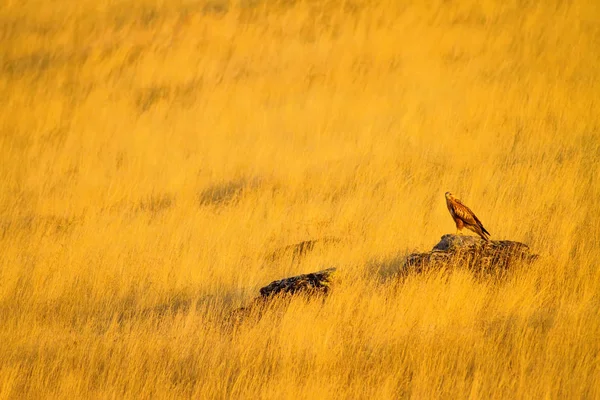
x=464 y=217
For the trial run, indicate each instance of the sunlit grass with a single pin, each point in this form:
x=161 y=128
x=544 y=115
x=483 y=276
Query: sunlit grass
x=154 y=155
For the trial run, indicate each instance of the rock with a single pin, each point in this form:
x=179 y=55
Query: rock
x=310 y=284
x=495 y=256
x=453 y=251
x=315 y=282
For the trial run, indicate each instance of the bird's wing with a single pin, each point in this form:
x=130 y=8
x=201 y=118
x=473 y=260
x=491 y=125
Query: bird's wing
x=480 y=230
x=480 y=224
x=468 y=216
x=463 y=212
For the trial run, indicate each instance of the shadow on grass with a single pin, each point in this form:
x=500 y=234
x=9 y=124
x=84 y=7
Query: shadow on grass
x=227 y=193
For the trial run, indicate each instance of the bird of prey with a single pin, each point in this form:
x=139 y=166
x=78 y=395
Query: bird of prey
x=464 y=217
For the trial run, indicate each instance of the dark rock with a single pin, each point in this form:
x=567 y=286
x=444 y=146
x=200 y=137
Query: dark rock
x=495 y=256
x=453 y=251
x=315 y=282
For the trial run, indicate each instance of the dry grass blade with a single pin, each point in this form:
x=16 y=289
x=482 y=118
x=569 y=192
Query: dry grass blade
x=160 y=161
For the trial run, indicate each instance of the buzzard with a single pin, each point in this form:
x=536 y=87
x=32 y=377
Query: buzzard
x=464 y=217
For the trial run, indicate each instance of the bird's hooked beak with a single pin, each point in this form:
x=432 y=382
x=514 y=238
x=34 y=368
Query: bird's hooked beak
x=448 y=195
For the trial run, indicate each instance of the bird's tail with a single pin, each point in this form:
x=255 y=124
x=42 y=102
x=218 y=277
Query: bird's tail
x=481 y=231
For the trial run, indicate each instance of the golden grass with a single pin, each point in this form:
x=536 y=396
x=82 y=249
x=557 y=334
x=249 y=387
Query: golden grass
x=152 y=154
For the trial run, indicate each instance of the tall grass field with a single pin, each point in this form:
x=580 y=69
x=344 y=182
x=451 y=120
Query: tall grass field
x=154 y=154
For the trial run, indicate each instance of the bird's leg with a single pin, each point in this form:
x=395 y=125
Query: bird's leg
x=459 y=226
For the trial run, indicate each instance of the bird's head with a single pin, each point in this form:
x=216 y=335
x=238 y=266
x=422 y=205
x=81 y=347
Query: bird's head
x=449 y=195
